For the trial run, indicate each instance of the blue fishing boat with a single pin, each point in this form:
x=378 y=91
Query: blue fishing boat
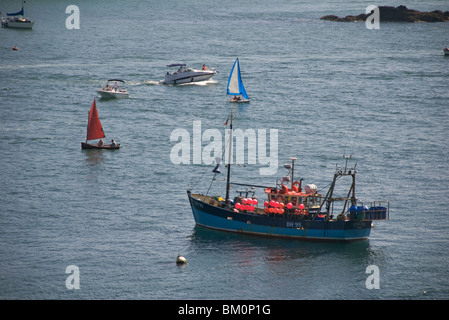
x=235 y=85
x=289 y=209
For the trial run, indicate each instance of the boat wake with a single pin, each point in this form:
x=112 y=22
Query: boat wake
x=197 y=83
x=134 y=83
x=201 y=83
x=160 y=82
x=152 y=82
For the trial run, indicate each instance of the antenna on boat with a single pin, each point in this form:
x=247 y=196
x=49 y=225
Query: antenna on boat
x=346 y=163
x=293 y=170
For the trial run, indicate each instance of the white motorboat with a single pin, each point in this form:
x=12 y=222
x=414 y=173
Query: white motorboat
x=16 y=20
x=187 y=75
x=113 y=90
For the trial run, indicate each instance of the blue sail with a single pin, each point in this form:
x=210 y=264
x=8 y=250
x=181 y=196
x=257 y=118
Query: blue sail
x=19 y=13
x=235 y=84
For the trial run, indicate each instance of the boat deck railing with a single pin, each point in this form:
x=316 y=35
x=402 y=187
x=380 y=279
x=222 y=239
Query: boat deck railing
x=376 y=210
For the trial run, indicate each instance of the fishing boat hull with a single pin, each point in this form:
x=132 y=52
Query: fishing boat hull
x=85 y=145
x=215 y=217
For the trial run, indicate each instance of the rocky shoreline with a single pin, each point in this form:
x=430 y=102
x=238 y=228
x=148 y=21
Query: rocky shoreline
x=398 y=14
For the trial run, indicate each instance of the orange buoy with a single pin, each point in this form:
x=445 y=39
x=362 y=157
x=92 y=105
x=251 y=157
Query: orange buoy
x=14 y=48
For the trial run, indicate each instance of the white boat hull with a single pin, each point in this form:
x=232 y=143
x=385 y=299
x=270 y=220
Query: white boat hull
x=112 y=94
x=188 y=77
x=6 y=23
x=239 y=101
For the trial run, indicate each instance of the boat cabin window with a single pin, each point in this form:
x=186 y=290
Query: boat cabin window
x=313 y=201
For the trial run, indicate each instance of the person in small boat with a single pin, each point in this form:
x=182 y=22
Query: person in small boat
x=115 y=86
x=236 y=98
x=204 y=67
x=113 y=143
x=100 y=143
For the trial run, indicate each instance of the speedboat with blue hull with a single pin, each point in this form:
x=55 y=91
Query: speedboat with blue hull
x=289 y=209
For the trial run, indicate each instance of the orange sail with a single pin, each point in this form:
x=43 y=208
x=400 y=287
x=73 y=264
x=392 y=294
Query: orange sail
x=94 y=128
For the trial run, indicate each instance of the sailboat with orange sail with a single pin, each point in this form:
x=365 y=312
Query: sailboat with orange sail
x=95 y=131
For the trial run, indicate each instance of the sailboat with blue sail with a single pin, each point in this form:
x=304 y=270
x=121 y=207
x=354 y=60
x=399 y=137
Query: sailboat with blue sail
x=235 y=85
x=17 y=20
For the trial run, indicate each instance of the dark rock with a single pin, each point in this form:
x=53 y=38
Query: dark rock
x=398 y=14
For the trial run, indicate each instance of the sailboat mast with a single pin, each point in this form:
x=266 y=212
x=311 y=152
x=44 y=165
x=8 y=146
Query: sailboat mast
x=88 y=122
x=228 y=186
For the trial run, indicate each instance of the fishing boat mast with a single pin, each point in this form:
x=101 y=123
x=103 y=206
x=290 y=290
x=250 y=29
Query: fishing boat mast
x=329 y=199
x=228 y=185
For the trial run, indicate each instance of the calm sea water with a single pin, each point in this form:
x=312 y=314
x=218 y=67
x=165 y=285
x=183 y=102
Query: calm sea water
x=123 y=217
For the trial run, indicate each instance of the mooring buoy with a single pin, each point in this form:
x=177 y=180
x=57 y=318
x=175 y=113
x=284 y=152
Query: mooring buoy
x=181 y=260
